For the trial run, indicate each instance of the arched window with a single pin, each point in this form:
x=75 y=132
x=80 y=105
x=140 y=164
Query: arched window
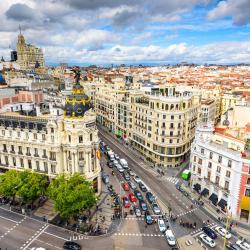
x=172 y=107
x=166 y=106
x=176 y=107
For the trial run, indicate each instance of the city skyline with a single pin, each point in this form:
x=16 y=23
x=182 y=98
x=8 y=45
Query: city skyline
x=197 y=31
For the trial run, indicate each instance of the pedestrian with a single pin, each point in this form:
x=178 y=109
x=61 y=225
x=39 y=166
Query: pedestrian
x=194 y=224
x=146 y=225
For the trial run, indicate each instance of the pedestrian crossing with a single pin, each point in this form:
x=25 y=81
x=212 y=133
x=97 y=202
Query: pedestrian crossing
x=174 y=180
x=140 y=218
x=185 y=213
x=139 y=234
x=199 y=230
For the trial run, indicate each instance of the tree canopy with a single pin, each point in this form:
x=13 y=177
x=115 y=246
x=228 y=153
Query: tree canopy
x=71 y=194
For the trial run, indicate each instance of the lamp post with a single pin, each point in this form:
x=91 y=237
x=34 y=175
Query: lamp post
x=227 y=224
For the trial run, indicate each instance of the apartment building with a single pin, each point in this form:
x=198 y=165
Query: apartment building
x=220 y=167
x=208 y=110
x=157 y=120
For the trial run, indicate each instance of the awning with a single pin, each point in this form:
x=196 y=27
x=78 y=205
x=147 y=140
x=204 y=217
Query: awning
x=245 y=203
x=214 y=198
x=222 y=203
x=205 y=192
x=197 y=187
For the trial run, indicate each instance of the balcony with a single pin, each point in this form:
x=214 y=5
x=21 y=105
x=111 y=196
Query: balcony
x=5 y=150
x=36 y=155
x=20 y=152
x=54 y=159
x=45 y=156
x=28 y=154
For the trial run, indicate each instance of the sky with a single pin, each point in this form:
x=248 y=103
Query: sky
x=130 y=31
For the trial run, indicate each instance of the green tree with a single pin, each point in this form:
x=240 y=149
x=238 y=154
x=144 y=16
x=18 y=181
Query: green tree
x=71 y=194
x=11 y=181
x=34 y=186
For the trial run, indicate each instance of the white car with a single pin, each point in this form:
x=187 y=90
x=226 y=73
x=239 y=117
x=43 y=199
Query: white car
x=223 y=232
x=243 y=244
x=207 y=240
x=120 y=168
x=161 y=225
x=137 y=179
x=117 y=157
x=170 y=238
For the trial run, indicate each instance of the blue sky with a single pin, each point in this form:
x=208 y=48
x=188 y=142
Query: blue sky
x=129 y=31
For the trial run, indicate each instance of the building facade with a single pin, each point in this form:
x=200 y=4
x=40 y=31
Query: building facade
x=158 y=121
x=52 y=144
x=221 y=172
x=28 y=56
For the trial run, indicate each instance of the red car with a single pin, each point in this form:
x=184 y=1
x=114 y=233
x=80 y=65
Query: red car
x=132 y=197
x=125 y=186
x=125 y=201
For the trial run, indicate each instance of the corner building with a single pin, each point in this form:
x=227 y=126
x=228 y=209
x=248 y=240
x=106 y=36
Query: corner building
x=53 y=144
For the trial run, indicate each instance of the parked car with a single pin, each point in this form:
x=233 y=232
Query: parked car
x=124 y=163
x=138 y=195
x=117 y=157
x=232 y=246
x=132 y=185
x=223 y=232
x=243 y=244
x=126 y=176
x=148 y=219
x=125 y=186
x=120 y=168
x=210 y=232
x=142 y=187
x=71 y=245
x=110 y=164
x=150 y=197
x=105 y=177
x=206 y=239
x=143 y=205
x=126 y=202
x=161 y=225
x=156 y=209
x=169 y=236
x=137 y=211
x=137 y=179
x=131 y=173
x=132 y=197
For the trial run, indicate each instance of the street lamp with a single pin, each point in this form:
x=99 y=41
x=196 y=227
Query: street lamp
x=227 y=224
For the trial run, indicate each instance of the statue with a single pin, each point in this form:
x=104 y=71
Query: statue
x=77 y=75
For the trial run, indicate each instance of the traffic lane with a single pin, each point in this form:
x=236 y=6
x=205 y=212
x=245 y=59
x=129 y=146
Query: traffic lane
x=21 y=234
x=6 y=224
x=158 y=187
x=10 y=215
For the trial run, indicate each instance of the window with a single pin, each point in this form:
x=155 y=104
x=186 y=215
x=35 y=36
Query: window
x=45 y=164
x=194 y=168
x=218 y=169
x=90 y=137
x=28 y=151
x=37 y=165
x=44 y=153
x=12 y=149
x=202 y=151
x=6 y=160
x=200 y=161
x=43 y=137
x=209 y=175
x=69 y=137
x=3 y=132
x=35 y=136
x=171 y=133
x=194 y=158
x=81 y=155
x=248 y=181
x=53 y=169
x=247 y=192
x=29 y=164
x=209 y=164
x=226 y=185
x=217 y=180
x=14 y=161
x=172 y=117
x=53 y=156
x=21 y=163
x=220 y=159
x=20 y=150
x=170 y=141
x=4 y=148
x=27 y=135
x=228 y=174
x=80 y=139
x=52 y=130
x=211 y=155
x=229 y=164
x=171 y=125
x=199 y=170
x=36 y=152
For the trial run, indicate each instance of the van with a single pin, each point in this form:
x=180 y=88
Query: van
x=169 y=236
x=124 y=163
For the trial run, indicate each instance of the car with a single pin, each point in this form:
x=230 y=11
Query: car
x=120 y=168
x=132 y=185
x=223 y=232
x=131 y=173
x=105 y=177
x=115 y=162
x=143 y=205
x=126 y=176
x=138 y=195
x=148 y=219
x=117 y=200
x=206 y=239
x=150 y=197
x=243 y=244
x=142 y=187
x=124 y=163
x=132 y=197
x=117 y=157
x=110 y=164
x=210 y=232
x=125 y=201
x=169 y=236
x=161 y=225
x=156 y=209
x=71 y=245
x=125 y=186
x=137 y=211
x=137 y=179
x=232 y=246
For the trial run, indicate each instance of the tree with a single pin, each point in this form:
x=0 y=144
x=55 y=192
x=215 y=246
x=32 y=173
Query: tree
x=71 y=194
x=34 y=186
x=11 y=181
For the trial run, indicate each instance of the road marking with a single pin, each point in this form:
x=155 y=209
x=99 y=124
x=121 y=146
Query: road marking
x=199 y=230
x=48 y=244
x=138 y=235
x=9 y=219
x=187 y=212
x=59 y=237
